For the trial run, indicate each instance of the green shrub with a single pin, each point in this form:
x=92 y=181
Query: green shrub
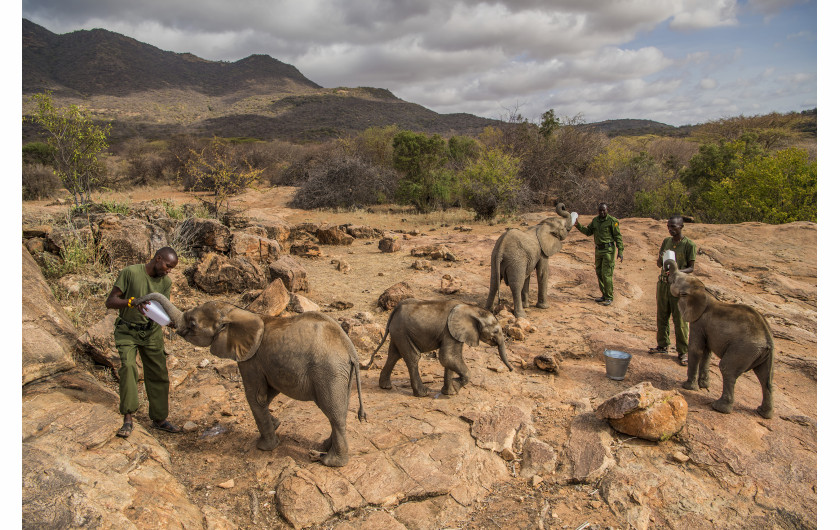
x=38 y=153
x=79 y=254
x=775 y=189
x=665 y=200
x=425 y=184
x=490 y=184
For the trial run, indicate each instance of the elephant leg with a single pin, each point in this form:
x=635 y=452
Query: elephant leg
x=417 y=386
x=334 y=406
x=764 y=372
x=518 y=293
x=696 y=350
x=525 y=288
x=730 y=373
x=390 y=362
x=258 y=401
x=542 y=283
x=705 y=360
x=452 y=360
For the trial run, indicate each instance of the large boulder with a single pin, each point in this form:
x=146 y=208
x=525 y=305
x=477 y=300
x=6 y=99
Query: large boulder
x=333 y=235
x=279 y=231
x=394 y=295
x=98 y=342
x=272 y=301
x=645 y=412
x=257 y=248
x=291 y=271
x=48 y=336
x=217 y=274
x=202 y=236
x=126 y=241
x=389 y=244
x=362 y=232
x=76 y=474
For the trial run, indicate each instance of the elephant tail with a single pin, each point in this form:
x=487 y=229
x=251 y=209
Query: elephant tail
x=373 y=355
x=354 y=367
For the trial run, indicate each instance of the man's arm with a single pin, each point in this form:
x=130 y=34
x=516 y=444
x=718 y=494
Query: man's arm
x=585 y=230
x=115 y=300
x=689 y=269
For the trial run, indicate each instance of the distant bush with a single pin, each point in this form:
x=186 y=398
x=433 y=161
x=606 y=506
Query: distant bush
x=39 y=182
x=346 y=183
x=426 y=184
x=663 y=201
x=38 y=153
x=490 y=184
x=300 y=161
x=775 y=189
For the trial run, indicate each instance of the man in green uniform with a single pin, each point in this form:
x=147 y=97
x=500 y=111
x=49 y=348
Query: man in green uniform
x=133 y=333
x=666 y=304
x=607 y=239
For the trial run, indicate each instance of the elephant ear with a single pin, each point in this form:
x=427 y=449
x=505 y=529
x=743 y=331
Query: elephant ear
x=463 y=324
x=693 y=298
x=550 y=235
x=239 y=335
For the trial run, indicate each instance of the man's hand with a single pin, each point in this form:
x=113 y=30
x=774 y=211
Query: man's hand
x=621 y=258
x=141 y=307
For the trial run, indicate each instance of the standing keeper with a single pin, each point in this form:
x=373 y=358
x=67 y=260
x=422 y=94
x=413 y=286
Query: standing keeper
x=685 y=251
x=607 y=239
x=134 y=333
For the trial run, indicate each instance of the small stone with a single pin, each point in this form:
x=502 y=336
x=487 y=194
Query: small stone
x=190 y=426
x=204 y=363
x=227 y=484
x=536 y=480
x=507 y=454
x=680 y=457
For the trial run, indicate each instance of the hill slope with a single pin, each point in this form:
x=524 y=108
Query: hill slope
x=145 y=91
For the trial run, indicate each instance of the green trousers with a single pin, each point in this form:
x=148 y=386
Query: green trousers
x=604 y=266
x=149 y=344
x=666 y=309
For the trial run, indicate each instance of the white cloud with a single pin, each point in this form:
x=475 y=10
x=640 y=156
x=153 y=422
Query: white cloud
x=473 y=56
x=708 y=84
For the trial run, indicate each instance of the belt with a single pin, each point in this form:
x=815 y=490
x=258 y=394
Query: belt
x=136 y=327
x=602 y=246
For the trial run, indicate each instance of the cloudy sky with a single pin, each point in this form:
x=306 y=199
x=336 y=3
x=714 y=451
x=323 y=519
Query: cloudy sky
x=675 y=61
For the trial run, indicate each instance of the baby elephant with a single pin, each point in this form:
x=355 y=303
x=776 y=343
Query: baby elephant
x=419 y=326
x=308 y=357
x=737 y=333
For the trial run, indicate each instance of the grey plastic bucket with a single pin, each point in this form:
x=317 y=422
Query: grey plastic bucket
x=616 y=362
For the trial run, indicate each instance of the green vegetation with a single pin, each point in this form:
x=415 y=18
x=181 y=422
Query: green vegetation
x=760 y=168
x=491 y=184
x=216 y=169
x=76 y=142
x=78 y=254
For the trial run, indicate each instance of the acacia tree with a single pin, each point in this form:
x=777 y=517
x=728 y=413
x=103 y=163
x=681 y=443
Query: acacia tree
x=76 y=143
x=216 y=169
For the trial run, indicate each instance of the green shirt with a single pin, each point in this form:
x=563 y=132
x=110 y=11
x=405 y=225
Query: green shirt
x=685 y=251
x=133 y=281
x=606 y=231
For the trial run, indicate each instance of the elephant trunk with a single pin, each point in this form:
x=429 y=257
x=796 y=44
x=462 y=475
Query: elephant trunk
x=503 y=353
x=561 y=210
x=175 y=314
x=671 y=268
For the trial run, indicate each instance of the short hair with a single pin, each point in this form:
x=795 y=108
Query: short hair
x=605 y=205
x=167 y=252
x=677 y=219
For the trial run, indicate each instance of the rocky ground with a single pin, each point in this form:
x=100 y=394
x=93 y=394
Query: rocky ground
x=426 y=462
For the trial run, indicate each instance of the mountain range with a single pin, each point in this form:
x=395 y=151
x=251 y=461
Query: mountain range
x=148 y=92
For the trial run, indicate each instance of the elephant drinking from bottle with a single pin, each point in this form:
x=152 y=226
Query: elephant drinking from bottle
x=307 y=357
